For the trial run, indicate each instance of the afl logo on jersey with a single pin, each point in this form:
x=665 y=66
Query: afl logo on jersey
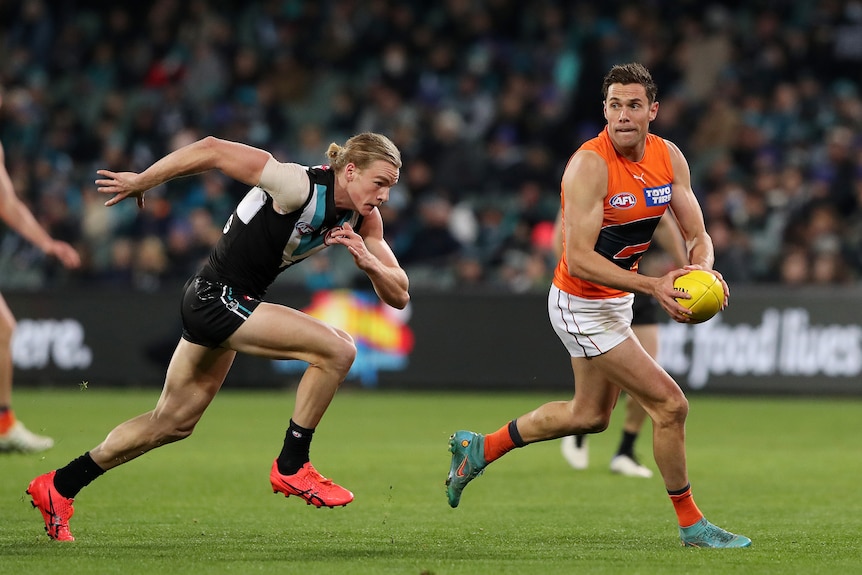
x=304 y=228
x=623 y=201
x=327 y=239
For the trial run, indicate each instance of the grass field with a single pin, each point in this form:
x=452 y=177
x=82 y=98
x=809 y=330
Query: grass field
x=785 y=472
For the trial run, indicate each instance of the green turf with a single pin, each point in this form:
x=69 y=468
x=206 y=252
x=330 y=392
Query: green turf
x=785 y=472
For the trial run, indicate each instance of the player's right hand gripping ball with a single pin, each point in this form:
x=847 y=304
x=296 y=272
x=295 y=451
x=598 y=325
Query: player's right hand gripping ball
x=706 y=292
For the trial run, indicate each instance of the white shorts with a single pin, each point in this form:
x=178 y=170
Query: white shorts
x=589 y=327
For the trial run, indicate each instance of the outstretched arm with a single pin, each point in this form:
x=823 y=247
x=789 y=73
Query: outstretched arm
x=16 y=214
x=238 y=161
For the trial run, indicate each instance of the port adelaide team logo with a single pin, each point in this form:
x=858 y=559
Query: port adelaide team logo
x=304 y=228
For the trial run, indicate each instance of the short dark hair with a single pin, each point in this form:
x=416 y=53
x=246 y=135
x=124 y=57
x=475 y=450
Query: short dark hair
x=631 y=73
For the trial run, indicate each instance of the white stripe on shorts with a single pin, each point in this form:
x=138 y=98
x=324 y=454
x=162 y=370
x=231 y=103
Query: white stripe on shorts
x=589 y=327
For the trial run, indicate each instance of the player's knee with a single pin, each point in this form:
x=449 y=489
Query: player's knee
x=596 y=425
x=673 y=411
x=589 y=423
x=176 y=434
x=173 y=427
x=341 y=353
x=583 y=420
x=679 y=408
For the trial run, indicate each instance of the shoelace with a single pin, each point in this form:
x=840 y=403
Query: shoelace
x=720 y=534
x=314 y=474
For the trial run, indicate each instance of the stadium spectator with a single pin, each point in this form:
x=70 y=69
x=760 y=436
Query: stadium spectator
x=431 y=241
x=85 y=83
x=794 y=267
x=291 y=213
x=119 y=272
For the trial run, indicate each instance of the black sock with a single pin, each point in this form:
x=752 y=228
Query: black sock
x=627 y=444
x=515 y=434
x=80 y=472
x=579 y=440
x=294 y=453
x=680 y=491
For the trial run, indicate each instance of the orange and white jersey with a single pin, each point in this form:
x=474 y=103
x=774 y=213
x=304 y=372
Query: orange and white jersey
x=637 y=196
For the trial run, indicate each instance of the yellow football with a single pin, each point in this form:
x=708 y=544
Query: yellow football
x=706 y=293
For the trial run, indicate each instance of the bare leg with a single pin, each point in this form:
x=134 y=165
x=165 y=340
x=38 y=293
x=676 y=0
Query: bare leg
x=279 y=332
x=589 y=411
x=647 y=334
x=14 y=436
x=7 y=328
x=194 y=376
x=650 y=386
x=629 y=367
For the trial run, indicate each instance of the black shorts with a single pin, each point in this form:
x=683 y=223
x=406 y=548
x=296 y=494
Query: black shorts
x=644 y=310
x=212 y=311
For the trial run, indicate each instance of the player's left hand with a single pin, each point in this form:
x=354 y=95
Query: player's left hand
x=347 y=236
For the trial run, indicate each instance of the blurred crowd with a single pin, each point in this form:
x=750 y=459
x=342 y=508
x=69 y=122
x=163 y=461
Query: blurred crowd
x=486 y=99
